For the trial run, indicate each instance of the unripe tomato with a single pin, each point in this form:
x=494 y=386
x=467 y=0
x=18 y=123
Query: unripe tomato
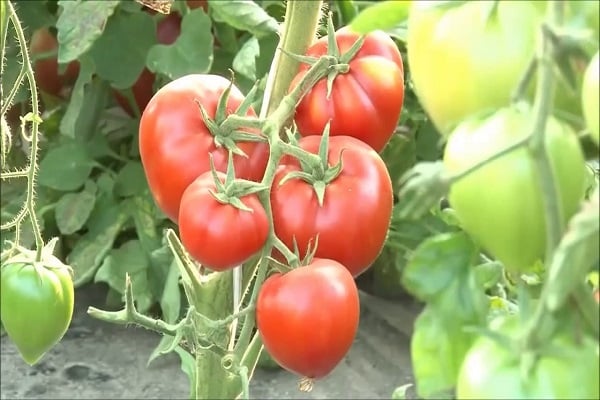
x=220 y=236
x=46 y=70
x=501 y=203
x=465 y=60
x=490 y=371
x=308 y=317
x=366 y=101
x=37 y=305
x=590 y=98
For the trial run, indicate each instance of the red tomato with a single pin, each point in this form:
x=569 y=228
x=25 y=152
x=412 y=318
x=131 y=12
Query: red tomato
x=308 y=317
x=365 y=102
x=167 y=31
x=192 y=4
x=353 y=222
x=46 y=71
x=220 y=236
x=175 y=143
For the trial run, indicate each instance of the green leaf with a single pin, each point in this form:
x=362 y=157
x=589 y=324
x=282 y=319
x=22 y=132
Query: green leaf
x=73 y=209
x=105 y=223
x=170 y=301
x=80 y=23
x=131 y=180
x=438 y=347
x=244 y=15
x=166 y=345
x=245 y=60
x=188 y=366
x=428 y=143
x=120 y=53
x=128 y=259
x=399 y=155
x=436 y=263
x=34 y=15
x=69 y=120
x=383 y=15
x=191 y=52
x=145 y=217
x=65 y=167
x=489 y=274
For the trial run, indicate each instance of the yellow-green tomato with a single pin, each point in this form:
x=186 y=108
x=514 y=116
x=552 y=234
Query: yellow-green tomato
x=590 y=98
x=468 y=58
x=501 y=204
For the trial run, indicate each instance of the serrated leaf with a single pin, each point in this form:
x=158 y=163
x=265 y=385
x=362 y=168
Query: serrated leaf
x=120 y=53
x=244 y=15
x=144 y=213
x=383 y=15
x=436 y=262
x=131 y=180
x=69 y=120
x=73 y=210
x=65 y=167
x=438 y=347
x=79 y=25
x=34 y=14
x=244 y=61
x=191 y=53
x=89 y=251
x=127 y=259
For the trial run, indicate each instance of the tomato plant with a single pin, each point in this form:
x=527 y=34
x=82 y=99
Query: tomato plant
x=37 y=304
x=215 y=231
x=365 y=102
x=507 y=217
x=591 y=98
x=175 y=142
x=493 y=371
x=167 y=31
x=47 y=74
x=308 y=317
x=354 y=242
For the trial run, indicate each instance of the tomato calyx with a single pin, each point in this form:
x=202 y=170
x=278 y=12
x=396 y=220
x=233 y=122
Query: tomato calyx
x=45 y=259
x=227 y=131
x=316 y=171
x=229 y=190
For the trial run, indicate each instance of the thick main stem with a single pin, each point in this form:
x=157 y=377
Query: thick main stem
x=542 y=108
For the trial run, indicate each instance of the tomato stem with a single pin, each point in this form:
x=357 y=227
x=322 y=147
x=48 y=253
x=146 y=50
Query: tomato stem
x=35 y=120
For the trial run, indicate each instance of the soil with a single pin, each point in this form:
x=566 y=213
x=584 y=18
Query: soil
x=100 y=360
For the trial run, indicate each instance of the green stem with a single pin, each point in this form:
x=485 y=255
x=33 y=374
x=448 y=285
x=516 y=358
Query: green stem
x=347 y=10
x=32 y=167
x=300 y=26
x=542 y=109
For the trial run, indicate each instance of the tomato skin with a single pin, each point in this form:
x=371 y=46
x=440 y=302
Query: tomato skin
x=365 y=102
x=46 y=71
x=500 y=205
x=37 y=307
x=220 y=236
x=490 y=371
x=175 y=143
x=167 y=32
x=193 y=4
x=461 y=65
x=590 y=98
x=353 y=222
x=308 y=317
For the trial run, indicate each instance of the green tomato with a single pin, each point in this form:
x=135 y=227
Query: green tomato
x=36 y=304
x=500 y=204
x=590 y=98
x=462 y=62
x=491 y=371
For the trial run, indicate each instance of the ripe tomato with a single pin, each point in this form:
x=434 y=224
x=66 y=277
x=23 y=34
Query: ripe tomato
x=46 y=71
x=353 y=222
x=462 y=63
x=167 y=31
x=490 y=371
x=501 y=203
x=308 y=317
x=366 y=101
x=590 y=98
x=37 y=305
x=175 y=143
x=220 y=236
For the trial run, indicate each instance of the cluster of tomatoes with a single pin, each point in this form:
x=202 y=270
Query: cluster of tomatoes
x=230 y=205
x=466 y=61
